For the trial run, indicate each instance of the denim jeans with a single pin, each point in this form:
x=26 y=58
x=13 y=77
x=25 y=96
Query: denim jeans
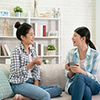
x=83 y=87
x=30 y=90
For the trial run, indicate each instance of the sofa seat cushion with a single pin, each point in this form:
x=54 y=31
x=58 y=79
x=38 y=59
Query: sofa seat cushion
x=53 y=74
x=63 y=96
x=5 y=88
x=96 y=97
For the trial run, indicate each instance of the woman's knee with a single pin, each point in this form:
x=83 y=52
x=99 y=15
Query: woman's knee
x=56 y=91
x=59 y=90
x=80 y=76
x=45 y=96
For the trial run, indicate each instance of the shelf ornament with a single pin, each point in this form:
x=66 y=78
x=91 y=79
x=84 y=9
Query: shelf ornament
x=5 y=26
x=35 y=9
x=56 y=13
x=46 y=61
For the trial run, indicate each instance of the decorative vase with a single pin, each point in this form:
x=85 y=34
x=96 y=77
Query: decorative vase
x=51 y=52
x=55 y=15
x=18 y=14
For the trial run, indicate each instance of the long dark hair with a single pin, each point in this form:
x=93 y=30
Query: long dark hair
x=84 y=31
x=22 y=29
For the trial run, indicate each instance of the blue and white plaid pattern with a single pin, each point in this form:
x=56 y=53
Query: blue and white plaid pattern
x=19 y=60
x=91 y=64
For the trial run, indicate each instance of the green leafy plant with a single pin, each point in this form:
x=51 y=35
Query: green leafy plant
x=51 y=47
x=18 y=9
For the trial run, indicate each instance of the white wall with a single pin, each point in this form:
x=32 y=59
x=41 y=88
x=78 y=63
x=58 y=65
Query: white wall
x=98 y=24
x=74 y=13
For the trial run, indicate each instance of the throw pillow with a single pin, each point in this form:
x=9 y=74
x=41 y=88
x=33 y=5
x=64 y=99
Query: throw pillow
x=5 y=88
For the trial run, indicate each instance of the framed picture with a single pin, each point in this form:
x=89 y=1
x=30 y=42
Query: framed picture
x=4 y=13
x=53 y=33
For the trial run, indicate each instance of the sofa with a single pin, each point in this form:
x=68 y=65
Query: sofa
x=50 y=74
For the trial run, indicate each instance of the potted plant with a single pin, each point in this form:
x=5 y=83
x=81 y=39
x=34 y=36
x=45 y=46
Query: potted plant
x=18 y=10
x=51 y=48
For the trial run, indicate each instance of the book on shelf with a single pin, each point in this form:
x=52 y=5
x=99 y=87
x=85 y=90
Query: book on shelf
x=40 y=30
x=44 y=30
x=39 y=48
x=34 y=25
x=7 y=49
x=3 y=49
x=42 y=49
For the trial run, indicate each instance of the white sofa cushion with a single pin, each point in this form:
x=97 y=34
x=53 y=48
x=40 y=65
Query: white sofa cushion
x=53 y=74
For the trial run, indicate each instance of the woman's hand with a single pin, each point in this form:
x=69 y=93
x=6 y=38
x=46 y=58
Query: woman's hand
x=70 y=73
x=77 y=69
x=36 y=82
x=67 y=66
x=38 y=60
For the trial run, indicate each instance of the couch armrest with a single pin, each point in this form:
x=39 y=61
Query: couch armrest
x=6 y=67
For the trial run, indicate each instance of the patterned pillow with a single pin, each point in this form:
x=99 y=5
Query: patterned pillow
x=5 y=88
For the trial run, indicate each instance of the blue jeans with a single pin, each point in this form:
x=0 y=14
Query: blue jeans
x=30 y=90
x=83 y=87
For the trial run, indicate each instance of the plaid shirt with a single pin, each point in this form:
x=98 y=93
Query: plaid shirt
x=19 y=60
x=91 y=64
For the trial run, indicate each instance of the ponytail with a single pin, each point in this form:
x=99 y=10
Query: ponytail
x=91 y=45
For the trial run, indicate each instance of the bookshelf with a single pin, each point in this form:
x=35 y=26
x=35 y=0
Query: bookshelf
x=52 y=24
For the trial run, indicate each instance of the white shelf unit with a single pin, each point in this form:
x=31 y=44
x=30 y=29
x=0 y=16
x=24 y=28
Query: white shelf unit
x=11 y=40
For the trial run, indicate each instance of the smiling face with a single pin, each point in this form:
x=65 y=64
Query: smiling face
x=29 y=38
x=77 y=39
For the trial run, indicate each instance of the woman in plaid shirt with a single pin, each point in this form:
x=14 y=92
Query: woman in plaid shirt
x=24 y=69
x=82 y=78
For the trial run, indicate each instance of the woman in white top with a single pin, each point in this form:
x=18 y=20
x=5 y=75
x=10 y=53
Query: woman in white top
x=82 y=78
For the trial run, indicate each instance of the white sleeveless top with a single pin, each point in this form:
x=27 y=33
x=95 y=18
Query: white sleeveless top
x=30 y=59
x=82 y=63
